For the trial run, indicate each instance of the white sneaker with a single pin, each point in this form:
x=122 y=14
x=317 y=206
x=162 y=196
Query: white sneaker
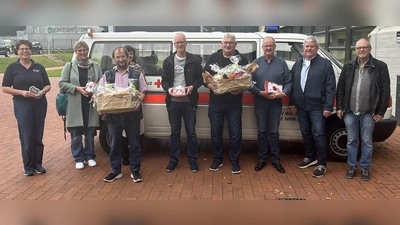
x=91 y=162
x=79 y=165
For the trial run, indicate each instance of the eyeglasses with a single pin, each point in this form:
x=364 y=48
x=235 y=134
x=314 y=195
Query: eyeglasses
x=268 y=46
x=24 y=49
x=363 y=47
x=180 y=42
x=228 y=43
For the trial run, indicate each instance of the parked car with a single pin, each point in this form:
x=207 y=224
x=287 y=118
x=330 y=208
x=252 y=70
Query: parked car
x=4 y=48
x=36 y=48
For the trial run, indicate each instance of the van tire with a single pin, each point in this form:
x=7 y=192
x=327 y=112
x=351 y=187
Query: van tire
x=7 y=53
x=336 y=137
x=104 y=139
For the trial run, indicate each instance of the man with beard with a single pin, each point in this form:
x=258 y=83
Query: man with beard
x=130 y=121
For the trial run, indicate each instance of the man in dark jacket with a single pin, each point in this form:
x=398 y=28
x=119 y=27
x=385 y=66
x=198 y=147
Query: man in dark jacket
x=362 y=98
x=312 y=97
x=180 y=79
x=228 y=105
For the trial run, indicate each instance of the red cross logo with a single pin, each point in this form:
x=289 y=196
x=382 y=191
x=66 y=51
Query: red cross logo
x=158 y=83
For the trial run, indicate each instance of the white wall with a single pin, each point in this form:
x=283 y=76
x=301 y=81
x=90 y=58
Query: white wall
x=385 y=48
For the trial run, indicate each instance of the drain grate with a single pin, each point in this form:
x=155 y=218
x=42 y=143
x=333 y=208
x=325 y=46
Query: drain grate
x=291 y=199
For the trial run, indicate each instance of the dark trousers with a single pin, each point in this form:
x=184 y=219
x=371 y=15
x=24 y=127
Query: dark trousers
x=30 y=114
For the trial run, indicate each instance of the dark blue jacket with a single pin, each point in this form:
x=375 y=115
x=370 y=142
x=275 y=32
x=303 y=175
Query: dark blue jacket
x=380 y=86
x=319 y=92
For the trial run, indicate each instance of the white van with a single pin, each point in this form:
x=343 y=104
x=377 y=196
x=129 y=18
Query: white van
x=153 y=47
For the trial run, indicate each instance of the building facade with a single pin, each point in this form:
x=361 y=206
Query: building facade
x=338 y=40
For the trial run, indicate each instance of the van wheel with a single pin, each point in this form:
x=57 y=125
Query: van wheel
x=105 y=141
x=336 y=136
x=40 y=51
x=7 y=54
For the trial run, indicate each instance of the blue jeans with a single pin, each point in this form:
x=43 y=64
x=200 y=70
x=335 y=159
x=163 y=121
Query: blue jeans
x=176 y=111
x=116 y=124
x=312 y=127
x=217 y=112
x=354 y=124
x=30 y=114
x=79 y=152
x=268 y=113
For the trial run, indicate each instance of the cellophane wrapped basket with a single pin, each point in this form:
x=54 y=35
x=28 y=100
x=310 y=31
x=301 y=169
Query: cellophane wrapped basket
x=109 y=98
x=231 y=77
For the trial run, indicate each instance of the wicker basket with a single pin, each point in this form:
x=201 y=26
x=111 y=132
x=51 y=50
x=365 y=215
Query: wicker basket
x=226 y=85
x=114 y=103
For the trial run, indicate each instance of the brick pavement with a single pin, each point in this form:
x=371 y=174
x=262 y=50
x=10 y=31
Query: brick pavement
x=63 y=182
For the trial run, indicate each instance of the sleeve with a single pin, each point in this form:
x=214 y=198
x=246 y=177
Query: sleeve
x=45 y=77
x=384 y=90
x=292 y=72
x=65 y=84
x=142 y=83
x=198 y=78
x=341 y=88
x=287 y=79
x=330 y=87
x=7 y=78
x=165 y=82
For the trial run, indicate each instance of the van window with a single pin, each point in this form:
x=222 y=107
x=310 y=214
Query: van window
x=289 y=52
x=203 y=50
x=149 y=54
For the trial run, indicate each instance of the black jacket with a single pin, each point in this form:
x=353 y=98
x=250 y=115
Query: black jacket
x=380 y=86
x=319 y=92
x=192 y=73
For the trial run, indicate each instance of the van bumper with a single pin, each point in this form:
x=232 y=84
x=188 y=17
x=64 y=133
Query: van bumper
x=384 y=129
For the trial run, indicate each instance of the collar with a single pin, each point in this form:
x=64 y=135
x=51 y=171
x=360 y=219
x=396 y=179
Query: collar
x=115 y=68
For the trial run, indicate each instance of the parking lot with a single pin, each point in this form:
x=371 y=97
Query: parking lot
x=63 y=182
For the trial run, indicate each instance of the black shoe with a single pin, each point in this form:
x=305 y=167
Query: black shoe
x=215 y=165
x=365 y=175
x=136 y=176
x=236 y=168
x=351 y=172
x=193 y=166
x=112 y=176
x=125 y=161
x=307 y=162
x=259 y=166
x=40 y=170
x=28 y=172
x=319 y=171
x=171 y=166
x=277 y=165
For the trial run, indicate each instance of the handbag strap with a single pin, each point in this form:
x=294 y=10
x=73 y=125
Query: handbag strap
x=64 y=118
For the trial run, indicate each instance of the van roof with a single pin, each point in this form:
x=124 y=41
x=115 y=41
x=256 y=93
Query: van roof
x=190 y=35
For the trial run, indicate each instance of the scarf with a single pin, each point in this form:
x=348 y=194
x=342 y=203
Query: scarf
x=89 y=66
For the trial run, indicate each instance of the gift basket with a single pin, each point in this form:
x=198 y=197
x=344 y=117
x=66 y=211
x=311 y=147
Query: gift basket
x=110 y=98
x=231 y=77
